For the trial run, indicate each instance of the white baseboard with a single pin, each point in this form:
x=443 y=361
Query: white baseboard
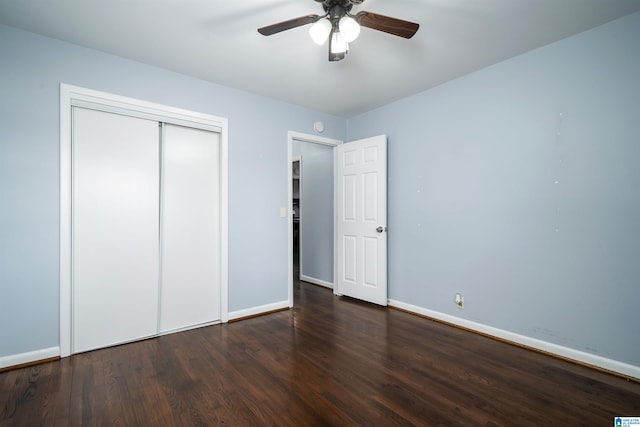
x=29 y=357
x=316 y=281
x=253 y=311
x=621 y=368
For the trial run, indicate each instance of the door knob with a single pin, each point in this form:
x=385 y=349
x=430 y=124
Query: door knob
x=380 y=229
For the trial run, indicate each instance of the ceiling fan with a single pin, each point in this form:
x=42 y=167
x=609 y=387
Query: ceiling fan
x=340 y=27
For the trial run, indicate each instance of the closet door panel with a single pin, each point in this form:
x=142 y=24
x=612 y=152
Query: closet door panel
x=115 y=242
x=190 y=237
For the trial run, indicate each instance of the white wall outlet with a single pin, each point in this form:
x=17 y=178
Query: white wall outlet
x=459 y=300
x=283 y=212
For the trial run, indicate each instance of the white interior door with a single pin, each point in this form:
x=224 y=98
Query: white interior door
x=190 y=278
x=115 y=231
x=361 y=242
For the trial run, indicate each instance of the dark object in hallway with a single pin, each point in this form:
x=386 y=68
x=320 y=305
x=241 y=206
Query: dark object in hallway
x=330 y=361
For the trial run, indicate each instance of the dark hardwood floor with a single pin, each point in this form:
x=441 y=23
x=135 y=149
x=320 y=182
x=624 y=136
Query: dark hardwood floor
x=330 y=361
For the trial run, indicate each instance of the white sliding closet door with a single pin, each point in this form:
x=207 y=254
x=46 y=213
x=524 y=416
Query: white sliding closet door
x=190 y=237
x=115 y=231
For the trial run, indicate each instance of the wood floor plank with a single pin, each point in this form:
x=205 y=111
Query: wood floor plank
x=330 y=361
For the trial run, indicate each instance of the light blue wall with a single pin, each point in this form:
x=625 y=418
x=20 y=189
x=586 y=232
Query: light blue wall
x=316 y=225
x=473 y=201
x=519 y=186
x=31 y=69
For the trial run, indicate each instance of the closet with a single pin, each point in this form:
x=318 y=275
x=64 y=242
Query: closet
x=145 y=226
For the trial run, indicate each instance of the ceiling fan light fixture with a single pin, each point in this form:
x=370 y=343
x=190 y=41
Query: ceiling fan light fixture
x=338 y=43
x=320 y=31
x=349 y=28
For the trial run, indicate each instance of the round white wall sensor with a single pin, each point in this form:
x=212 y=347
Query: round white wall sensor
x=318 y=127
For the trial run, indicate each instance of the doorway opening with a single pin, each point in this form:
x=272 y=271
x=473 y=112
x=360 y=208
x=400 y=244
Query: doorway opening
x=311 y=247
x=295 y=212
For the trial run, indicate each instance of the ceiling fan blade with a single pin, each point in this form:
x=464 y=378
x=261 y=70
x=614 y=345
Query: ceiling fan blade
x=287 y=25
x=387 y=24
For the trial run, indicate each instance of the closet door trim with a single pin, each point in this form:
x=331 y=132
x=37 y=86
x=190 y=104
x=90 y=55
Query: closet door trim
x=87 y=98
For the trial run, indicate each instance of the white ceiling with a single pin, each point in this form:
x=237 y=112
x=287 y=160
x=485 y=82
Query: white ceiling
x=216 y=40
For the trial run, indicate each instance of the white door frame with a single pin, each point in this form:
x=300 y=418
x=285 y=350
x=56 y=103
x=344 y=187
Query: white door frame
x=302 y=137
x=77 y=96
